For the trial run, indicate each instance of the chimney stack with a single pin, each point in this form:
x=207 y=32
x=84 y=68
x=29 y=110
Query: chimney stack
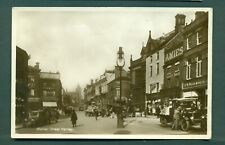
x=37 y=65
x=199 y=14
x=179 y=22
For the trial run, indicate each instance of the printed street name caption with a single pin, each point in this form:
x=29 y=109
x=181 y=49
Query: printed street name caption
x=54 y=129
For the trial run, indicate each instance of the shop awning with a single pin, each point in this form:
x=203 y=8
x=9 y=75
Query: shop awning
x=49 y=104
x=190 y=94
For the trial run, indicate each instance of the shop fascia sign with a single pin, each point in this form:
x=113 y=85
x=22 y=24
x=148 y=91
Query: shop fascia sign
x=173 y=54
x=194 y=83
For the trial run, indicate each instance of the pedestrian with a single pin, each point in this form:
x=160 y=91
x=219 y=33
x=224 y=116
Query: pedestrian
x=176 y=118
x=96 y=113
x=74 y=118
x=157 y=111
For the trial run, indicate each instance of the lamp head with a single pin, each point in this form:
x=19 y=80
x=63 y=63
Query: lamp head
x=120 y=57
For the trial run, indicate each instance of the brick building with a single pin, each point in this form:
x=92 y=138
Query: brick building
x=21 y=84
x=173 y=61
x=114 y=87
x=195 y=58
x=34 y=97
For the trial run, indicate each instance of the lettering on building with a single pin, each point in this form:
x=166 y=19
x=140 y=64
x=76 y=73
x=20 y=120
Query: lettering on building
x=194 y=84
x=173 y=54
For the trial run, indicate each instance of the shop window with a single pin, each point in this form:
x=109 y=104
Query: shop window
x=198 y=67
x=32 y=92
x=188 y=71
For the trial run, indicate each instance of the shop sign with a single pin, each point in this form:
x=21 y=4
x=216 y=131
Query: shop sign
x=193 y=84
x=175 y=53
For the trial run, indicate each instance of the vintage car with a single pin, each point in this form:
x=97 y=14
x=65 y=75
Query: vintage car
x=41 y=117
x=35 y=118
x=190 y=114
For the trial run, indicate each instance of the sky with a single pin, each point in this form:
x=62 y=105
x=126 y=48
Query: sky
x=81 y=43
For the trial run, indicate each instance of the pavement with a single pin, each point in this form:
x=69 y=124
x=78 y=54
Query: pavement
x=88 y=125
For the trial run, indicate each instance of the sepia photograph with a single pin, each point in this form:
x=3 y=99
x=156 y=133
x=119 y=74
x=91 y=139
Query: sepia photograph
x=111 y=73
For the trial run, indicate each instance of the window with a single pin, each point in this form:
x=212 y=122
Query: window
x=151 y=59
x=133 y=77
x=188 y=43
x=177 y=63
x=198 y=67
x=150 y=71
x=118 y=92
x=157 y=56
x=188 y=71
x=32 y=92
x=169 y=66
x=157 y=87
x=157 y=68
x=199 y=37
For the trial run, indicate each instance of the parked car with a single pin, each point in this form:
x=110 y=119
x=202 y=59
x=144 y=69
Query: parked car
x=35 y=118
x=190 y=114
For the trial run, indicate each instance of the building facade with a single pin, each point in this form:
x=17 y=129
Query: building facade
x=21 y=84
x=173 y=54
x=154 y=70
x=195 y=58
x=34 y=97
x=51 y=89
x=113 y=96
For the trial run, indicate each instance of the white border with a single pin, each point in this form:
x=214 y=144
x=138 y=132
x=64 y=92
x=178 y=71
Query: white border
x=109 y=136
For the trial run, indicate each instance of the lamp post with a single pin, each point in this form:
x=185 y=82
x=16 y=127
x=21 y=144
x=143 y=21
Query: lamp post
x=120 y=62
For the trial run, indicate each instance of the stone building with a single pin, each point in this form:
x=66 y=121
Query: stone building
x=154 y=69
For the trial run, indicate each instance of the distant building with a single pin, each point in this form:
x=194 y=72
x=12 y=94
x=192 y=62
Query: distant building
x=21 y=84
x=89 y=92
x=51 y=89
x=113 y=96
x=195 y=58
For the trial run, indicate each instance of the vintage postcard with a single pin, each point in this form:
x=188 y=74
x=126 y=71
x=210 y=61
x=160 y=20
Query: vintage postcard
x=111 y=73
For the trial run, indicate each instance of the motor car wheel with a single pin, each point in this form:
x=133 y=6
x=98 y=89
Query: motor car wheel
x=185 y=125
x=163 y=121
x=203 y=125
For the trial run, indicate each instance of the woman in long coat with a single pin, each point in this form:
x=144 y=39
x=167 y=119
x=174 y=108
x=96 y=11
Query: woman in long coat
x=74 y=118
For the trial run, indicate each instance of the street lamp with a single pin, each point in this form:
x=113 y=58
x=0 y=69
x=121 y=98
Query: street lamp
x=120 y=63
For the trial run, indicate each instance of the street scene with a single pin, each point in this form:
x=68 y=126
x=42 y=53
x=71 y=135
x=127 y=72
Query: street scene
x=111 y=71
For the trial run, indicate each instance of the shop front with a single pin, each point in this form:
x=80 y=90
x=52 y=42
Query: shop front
x=196 y=88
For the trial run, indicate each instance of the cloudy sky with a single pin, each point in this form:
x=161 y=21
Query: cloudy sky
x=81 y=43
